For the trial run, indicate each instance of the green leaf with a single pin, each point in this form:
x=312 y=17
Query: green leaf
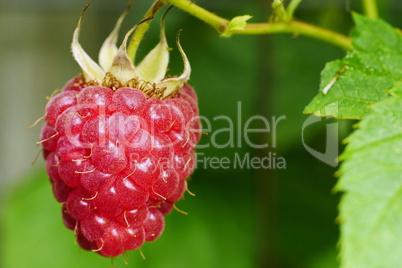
x=371 y=177
x=365 y=75
x=237 y=23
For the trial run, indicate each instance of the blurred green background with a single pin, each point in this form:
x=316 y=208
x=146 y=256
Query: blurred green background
x=239 y=217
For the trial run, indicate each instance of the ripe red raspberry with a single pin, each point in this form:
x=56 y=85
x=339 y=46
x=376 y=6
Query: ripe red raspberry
x=119 y=144
x=118 y=161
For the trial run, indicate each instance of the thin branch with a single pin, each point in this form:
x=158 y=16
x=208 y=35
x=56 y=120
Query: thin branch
x=293 y=26
x=298 y=27
x=215 y=21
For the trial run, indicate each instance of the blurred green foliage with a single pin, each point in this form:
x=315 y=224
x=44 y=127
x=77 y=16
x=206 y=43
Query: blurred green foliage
x=238 y=218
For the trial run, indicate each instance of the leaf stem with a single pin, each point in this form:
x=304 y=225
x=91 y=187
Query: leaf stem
x=370 y=8
x=293 y=26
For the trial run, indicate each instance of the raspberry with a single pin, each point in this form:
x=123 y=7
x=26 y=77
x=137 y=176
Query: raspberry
x=117 y=185
x=118 y=151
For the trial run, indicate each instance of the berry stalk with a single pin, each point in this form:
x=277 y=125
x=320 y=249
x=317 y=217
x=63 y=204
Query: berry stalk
x=142 y=29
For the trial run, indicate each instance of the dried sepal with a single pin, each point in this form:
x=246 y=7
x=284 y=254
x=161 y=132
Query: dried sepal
x=154 y=65
x=109 y=48
x=118 y=69
x=122 y=67
x=172 y=85
x=90 y=68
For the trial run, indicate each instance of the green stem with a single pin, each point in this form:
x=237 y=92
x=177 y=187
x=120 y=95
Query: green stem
x=215 y=21
x=142 y=29
x=295 y=27
x=370 y=8
x=298 y=27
